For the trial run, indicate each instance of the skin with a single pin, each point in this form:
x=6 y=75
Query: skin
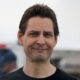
x=38 y=43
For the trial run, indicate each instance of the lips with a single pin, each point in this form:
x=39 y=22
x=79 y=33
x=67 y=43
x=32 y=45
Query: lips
x=40 y=48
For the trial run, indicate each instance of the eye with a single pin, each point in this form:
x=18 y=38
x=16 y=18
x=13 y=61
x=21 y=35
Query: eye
x=34 y=33
x=48 y=34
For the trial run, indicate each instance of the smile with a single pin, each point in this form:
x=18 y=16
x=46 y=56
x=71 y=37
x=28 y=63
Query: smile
x=39 y=49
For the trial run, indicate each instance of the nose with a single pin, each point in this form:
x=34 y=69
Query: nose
x=41 y=39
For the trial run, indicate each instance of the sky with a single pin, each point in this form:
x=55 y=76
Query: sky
x=67 y=12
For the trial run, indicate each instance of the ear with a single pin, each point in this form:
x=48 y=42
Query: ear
x=20 y=38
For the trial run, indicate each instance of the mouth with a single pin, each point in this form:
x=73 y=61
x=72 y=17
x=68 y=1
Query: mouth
x=40 y=48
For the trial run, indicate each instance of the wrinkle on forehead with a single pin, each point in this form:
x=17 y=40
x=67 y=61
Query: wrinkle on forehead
x=38 y=23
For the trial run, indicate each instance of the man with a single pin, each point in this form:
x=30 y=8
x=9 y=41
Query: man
x=7 y=61
x=38 y=32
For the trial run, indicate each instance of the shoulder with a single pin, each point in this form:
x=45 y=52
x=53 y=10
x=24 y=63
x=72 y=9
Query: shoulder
x=63 y=76
x=12 y=76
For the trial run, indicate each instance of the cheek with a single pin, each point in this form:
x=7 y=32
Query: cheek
x=51 y=43
x=28 y=42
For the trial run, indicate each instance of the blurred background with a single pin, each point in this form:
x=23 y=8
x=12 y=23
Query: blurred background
x=66 y=54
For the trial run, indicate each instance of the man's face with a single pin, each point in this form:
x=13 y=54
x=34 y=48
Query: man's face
x=39 y=39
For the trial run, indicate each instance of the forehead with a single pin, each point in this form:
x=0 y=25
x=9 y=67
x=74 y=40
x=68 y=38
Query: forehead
x=39 y=23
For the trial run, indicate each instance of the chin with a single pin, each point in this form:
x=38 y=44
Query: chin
x=39 y=59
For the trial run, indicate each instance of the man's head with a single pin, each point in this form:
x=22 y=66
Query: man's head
x=41 y=11
x=38 y=31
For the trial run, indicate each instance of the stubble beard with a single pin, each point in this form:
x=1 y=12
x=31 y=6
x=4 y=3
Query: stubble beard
x=39 y=58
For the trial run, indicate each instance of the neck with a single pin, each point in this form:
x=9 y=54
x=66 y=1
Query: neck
x=39 y=70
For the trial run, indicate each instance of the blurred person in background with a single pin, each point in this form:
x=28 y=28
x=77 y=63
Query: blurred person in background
x=7 y=61
x=38 y=33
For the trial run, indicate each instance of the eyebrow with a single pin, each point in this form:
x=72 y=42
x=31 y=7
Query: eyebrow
x=34 y=31
x=49 y=32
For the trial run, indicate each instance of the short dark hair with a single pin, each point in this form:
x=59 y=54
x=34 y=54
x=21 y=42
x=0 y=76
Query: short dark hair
x=38 y=10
